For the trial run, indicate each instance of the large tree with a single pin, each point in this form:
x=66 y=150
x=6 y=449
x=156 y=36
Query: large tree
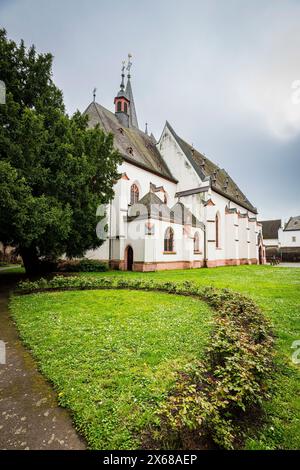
x=54 y=170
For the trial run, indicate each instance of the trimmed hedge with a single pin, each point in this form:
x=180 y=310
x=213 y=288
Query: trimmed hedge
x=211 y=398
x=83 y=265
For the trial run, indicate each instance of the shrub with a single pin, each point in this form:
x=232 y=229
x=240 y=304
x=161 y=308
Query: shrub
x=82 y=265
x=210 y=398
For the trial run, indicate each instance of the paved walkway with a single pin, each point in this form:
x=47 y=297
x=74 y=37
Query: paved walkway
x=30 y=417
x=4 y=268
x=287 y=265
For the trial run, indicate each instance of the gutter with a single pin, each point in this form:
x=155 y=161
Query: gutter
x=233 y=199
x=190 y=192
x=205 y=247
x=144 y=167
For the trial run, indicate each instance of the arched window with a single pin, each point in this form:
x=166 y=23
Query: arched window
x=125 y=107
x=119 y=107
x=134 y=194
x=196 y=242
x=169 y=240
x=218 y=245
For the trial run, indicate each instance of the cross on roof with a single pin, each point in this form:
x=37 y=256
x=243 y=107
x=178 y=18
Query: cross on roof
x=129 y=64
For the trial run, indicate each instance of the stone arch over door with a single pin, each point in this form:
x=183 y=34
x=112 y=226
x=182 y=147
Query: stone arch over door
x=128 y=258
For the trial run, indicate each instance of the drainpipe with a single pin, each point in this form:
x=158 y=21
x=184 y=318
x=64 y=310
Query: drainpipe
x=205 y=247
x=110 y=240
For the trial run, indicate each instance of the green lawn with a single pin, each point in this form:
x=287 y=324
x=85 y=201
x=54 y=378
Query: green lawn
x=4 y=270
x=275 y=289
x=112 y=355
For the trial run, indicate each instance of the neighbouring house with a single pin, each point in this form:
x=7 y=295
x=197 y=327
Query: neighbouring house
x=289 y=240
x=270 y=230
x=8 y=254
x=173 y=207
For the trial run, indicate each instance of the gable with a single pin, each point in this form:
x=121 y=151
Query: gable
x=220 y=181
x=176 y=159
x=135 y=146
x=292 y=224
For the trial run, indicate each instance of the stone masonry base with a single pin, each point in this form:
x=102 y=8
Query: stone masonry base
x=141 y=266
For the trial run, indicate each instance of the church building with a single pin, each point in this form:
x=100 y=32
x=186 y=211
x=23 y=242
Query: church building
x=173 y=207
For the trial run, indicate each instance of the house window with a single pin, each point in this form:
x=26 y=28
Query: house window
x=218 y=231
x=125 y=108
x=293 y=239
x=169 y=240
x=119 y=106
x=196 y=242
x=134 y=194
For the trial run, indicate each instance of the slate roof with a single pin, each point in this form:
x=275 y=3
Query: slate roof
x=182 y=215
x=155 y=208
x=270 y=228
x=292 y=224
x=221 y=182
x=132 y=111
x=138 y=148
x=134 y=145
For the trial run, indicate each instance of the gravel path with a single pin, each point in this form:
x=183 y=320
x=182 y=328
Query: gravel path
x=30 y=417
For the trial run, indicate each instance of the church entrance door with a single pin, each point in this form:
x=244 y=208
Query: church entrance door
x=260 y=258
x=129 y=258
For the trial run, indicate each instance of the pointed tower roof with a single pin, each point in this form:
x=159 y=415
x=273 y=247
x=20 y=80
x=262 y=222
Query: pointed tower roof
x=122 y=92
x=132 y=112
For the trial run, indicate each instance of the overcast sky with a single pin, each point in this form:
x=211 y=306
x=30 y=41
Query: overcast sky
x=221 y=72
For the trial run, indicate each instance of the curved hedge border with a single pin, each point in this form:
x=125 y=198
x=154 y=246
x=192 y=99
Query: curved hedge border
x=210 y=398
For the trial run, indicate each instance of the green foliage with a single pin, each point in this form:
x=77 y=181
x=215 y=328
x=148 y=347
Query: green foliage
x=82 y=265
x=54 y=171
x=234 y=378
x=112 y=355
x=276 y=291
x=212 y=397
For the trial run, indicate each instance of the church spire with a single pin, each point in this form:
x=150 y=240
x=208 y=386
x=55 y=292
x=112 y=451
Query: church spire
x=122 y=86
x=133 y=122
x=122 y=103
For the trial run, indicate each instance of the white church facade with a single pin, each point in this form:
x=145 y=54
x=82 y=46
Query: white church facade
x=173 y=207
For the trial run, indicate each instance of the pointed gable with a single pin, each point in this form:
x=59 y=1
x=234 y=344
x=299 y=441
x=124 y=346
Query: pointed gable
x=221 y=182
x=153 y=206
x=293 y=224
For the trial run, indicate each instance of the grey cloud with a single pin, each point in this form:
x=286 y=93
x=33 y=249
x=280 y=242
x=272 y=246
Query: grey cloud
x=220 y=72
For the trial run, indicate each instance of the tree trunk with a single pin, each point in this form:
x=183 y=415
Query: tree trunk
x=31 y=260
